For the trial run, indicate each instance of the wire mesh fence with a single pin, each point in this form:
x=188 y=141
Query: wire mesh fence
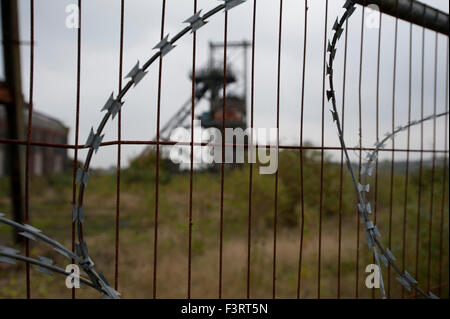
x=232 y=232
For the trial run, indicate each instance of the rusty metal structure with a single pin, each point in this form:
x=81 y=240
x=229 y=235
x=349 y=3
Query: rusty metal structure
x=208 y=85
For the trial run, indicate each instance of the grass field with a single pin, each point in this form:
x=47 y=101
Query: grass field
x=50 y=208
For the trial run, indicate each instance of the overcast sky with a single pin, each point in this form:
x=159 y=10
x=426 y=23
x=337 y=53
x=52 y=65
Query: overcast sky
x=55 y=68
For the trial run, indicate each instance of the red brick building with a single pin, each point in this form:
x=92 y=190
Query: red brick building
x=43 y=160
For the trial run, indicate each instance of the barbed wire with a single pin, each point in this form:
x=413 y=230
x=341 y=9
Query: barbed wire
x=9 y=255
x=372 y=232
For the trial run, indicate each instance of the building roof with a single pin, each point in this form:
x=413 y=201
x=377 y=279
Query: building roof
x=39 y=120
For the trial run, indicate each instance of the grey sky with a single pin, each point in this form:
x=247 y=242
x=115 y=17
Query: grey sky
x=55 y=68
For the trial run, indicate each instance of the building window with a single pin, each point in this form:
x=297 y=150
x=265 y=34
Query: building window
x=58 y=164
x=2 y=162
x=38 y=163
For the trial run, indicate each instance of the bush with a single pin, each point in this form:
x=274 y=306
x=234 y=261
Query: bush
x=142 y=169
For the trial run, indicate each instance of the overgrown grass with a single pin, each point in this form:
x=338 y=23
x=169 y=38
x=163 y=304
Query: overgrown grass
x=50 y=208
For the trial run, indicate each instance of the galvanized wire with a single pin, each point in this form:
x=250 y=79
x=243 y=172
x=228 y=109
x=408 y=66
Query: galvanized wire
x=372 y=232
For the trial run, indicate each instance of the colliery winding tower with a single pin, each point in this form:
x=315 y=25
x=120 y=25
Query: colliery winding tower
x=209 y=83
